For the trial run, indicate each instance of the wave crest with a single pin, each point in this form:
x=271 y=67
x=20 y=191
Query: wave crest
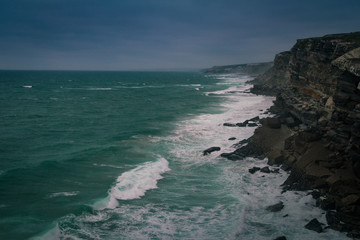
x=134 y=183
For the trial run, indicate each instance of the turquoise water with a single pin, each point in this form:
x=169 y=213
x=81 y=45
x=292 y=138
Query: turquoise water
x=118 y=155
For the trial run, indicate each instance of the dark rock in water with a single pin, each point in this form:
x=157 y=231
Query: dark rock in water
x=276 y=207
x=254 y=119
x=243 y=124
x=280 y=238
x=265 y=170
x=232 y=138
x=225 y=155
x=229 y=125
x=252 y=125
x=333 y=219
x=210 y=150
x=254 y=170
x=314 y=225
x=354 y=234
x=316 y=194
x=232 y=156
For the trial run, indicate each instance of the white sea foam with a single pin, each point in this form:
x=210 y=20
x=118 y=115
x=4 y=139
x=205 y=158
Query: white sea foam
x=144 y=86
x=107 y=165
x=134 y=183
x=91 y=89
x=98 y=89
x=63 y=194
x=51 y=234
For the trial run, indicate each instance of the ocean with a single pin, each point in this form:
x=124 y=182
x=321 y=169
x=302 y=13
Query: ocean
x=118 y=155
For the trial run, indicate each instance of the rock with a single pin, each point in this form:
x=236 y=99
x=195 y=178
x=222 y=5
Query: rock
x=252 y=125
x=315 y=194
x=210 y=150
x=254 y=119
x=290 y=122
x=317 y=87
x=273 y=123
x=350 y=199
x=229 y=125
x=280 y=238
x=325 y=203
x=232 y=156
x=276 y=207
x=243 y=124
x=243 y=141
x=314 y=225
x=232 y=138
x=265 y=170
x=354 y=234
x=349 y=62
x=333 y=220
x=254 y=170
x=275 y=158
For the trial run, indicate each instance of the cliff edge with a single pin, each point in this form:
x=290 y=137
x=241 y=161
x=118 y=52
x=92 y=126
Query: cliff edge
x=317 y=88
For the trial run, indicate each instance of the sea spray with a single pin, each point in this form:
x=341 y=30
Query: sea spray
x=134 y=183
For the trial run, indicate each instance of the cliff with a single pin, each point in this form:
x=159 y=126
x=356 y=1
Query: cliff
x=317 y=88
x=248 y=68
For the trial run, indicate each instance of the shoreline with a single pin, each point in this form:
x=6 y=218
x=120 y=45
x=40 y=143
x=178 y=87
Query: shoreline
x=317 y=89
x=271 y=140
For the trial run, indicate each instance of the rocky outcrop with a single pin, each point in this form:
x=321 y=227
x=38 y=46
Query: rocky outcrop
x=276 y=77
x=248 y=68
x=210 y=150
x=317 y=87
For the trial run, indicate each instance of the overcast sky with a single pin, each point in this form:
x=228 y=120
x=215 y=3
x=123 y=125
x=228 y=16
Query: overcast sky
x=161 y=34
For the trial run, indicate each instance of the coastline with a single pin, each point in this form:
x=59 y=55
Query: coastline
x=272 y=140
x=314 y=133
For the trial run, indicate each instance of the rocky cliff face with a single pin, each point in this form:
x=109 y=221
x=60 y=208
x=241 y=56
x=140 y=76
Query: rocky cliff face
x=318 y=86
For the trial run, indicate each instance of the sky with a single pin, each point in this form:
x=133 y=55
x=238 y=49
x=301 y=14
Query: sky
x=161 y=34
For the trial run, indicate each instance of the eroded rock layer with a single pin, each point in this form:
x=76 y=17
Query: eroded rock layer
x=317 y=84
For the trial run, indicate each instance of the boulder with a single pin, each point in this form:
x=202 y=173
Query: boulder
x=314 y=225
x=276 y=207
x=210 y=150
x=290 y=122
x=229 y=125
x=280 y=238
x=265 y=170
x=252 y=125
x=334 y=222
x=253 y=170
x=232 y=138
x=275 y=157
x=232 y=156
x=243 y=124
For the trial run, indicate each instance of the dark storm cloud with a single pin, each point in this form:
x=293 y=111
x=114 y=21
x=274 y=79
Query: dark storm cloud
x=155 y=34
